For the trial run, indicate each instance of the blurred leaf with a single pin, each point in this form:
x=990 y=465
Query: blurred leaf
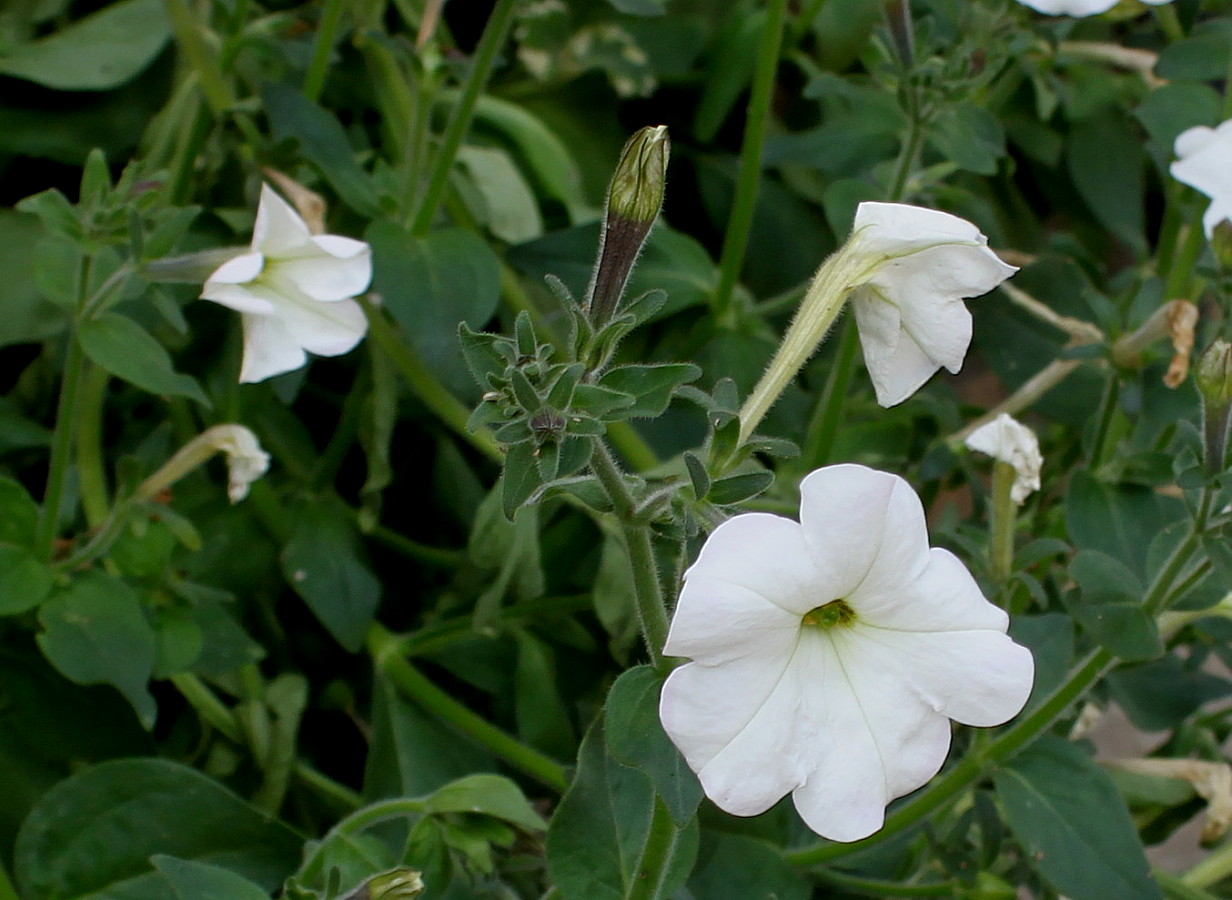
x=200 y=881
x=506 y=203
x=1203 y=55
x=430 y=284
x=730 y=865
x=1073 y=824
x=635 y=738
x=1106 y=162
x=597 y=836
x=730 y=69
x=1111 y=607
x=19 y=514
x=322 y=562
x=323 y=143
x=125 y=349
x=613 y=594
x=1161 y=694
x=640 y=7
x=1050 y=638
x=969 y=136
x=1172 y=108
x=490 y=795
x=101 y=51
x=96 y=631
x=24 y=580
x=94 y=833
x=1117 y=519
x=540 y=711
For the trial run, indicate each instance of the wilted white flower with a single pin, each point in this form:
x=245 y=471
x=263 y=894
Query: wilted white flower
x=906 y=270
x=910 y=309
x=1202 y=163
x=246 y=461
x=294 y=290
x=1078 y=8
x=829 y=655
x=1009 y=441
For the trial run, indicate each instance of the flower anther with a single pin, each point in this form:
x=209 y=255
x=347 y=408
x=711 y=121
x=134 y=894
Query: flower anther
x=294 y=291
x=828 y=655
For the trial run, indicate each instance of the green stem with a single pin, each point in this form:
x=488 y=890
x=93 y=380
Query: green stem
x=433 y=637
x=373 y=814
x=910 y=149
x=740 y=222
x=61 y=450
x=1004 y=514
x=339 y=794
x=1169 y=23
x=439 y=557
x=823 y=425
x=383 y=647
x=180 y=183
x=493 y=39
x=327 y=32
x=7 y=891
x=1190 y=241
x=1214 y=868
x=648 y=593
x=853 y=884
x=201 y=57
x=434 y=395
x=1103 y=421
x=662 y=839
x=90 y=472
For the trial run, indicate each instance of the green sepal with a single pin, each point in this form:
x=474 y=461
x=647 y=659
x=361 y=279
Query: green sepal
x=698 y=475
x=651 y=385
x=584 y=425
x=520 y=478
x=480 y=350
x=584 y=487
x=560 y=395
x=528 y=398
x=515 y=432
x=53 y=208
x=772 y=446
x=645 y=307
x=524 y=336
x=737 y=488
x=600 y=402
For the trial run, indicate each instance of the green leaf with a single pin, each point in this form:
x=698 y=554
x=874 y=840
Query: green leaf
x=640 y=7
x=969 y=136
x=24 y=580
x=1106 y=162
x=430 y=284
x=94 y=833
x=1161 y=694
x=732 y=60
x=19 y=514
x=491 y=795
x=520 y=479
x=540 y=711
x=1120 y=520
x=125 y=349
x=322 y=562
x=598 y=834
x=737 y=488
x=652 y=386
x=1073 y=824
x=323 y=143
x=636 y=738
x=1203 y=55
x=507 y=204
x=200 y=881
x=99 y=52
x=730 y=865
x=1172 y=108
x=1111 y=607
x=612 y=595
x=95 y=631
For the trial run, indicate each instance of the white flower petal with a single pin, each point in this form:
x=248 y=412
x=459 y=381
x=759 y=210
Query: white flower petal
x=941 y=596
x=238 y=270
x=278 y=231
x=269 y=349
x=766 y=554
x=1078 y=8
x=717 y=621
x=329 y=278
x=1009 y=441
x=239 y=297
x=1203 y=164
x=326 y=329
x=897 y=229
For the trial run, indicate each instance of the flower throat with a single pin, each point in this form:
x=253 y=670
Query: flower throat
x=830 y=615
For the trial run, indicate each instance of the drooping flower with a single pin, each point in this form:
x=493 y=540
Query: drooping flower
x=910 y=310
x=828 y=656
x=1078 y=8
x=294 y=290
x=1202 y=163
x=906 y=270
x=246 y=461
x=1007 y=440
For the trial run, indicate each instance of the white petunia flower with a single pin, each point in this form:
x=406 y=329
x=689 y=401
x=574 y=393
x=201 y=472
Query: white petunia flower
x=246 y=461
x=829 y=655
x=910 y=308
x=294 y=290
x=1009 y=441
x=1078 y=8
x=1202 y=163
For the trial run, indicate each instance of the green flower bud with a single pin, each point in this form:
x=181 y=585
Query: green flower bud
x=1221 y=245
x=634 y=198
x=396 y=884
x=1214 y=378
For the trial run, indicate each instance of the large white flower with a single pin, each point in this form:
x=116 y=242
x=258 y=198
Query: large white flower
x=910 y=308
x=294 y=289
x=1009 y=441
x=829 y=655
x=1078 y=8
x=1203 y=156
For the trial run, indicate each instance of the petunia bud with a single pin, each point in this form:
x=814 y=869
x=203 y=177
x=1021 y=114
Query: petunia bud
x=1214 y=378
x=1221 y=245
x=634 y=199
x=396 y=884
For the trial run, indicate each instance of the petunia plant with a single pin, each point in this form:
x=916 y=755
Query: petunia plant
x=501 y=450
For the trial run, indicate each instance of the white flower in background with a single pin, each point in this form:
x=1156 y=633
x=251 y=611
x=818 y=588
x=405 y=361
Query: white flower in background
x=1202 y=163
x=1078 y=8
x=910 y=308
x=829 y=655
x=1009 y=441
x=246 y=461
x=294 y=290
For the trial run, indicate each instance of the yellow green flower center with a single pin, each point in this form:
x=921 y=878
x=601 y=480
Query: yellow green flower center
x=834 y=614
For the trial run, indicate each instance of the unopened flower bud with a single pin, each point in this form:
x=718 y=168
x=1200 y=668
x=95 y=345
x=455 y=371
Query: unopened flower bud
x=1221 y=245
x=246 y=461
x=634 y=199
x=1214 y=378
x=396 y=884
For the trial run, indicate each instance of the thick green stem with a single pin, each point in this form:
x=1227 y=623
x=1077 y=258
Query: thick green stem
x=648 y=593
x=870 y=887
x=201 y=57
x=383 y=648
x=61 y=450
x=360 y=820
x=89 y=450
x=1214 y=868
x=493 y=39
x=823 y=425
x=740 y=222
x=652 y=868
x=1190 y=242
x=327 y=32
x=434 y=395
x=1004 y=515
